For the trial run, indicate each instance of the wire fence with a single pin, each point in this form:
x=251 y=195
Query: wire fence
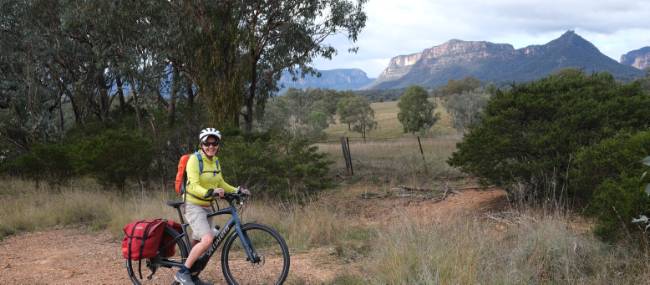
x=396 y=158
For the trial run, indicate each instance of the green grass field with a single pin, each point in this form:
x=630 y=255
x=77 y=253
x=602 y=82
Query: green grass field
x=390 y=154
x=388 y=127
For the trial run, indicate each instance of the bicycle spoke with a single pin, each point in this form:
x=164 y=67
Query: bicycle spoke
x=270 y=266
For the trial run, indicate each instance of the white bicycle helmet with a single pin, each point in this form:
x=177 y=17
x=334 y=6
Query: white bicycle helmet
x=207 y=132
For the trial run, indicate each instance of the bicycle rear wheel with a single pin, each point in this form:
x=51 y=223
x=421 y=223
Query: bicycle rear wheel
x=161 y=269
x=272 y=264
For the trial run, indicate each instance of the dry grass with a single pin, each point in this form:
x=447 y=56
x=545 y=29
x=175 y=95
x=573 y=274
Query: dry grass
x=469 y=250
x=398 y=159
x=24 y=207
x=303 y=226
x=533 y=249
x=391 y=155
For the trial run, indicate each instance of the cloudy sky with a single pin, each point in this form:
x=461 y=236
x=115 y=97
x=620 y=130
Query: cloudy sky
x=396 y=27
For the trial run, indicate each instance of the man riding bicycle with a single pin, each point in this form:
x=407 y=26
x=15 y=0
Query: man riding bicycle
x=202 y=187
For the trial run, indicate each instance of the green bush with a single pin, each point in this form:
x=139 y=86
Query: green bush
x=45 y=162
x=110 y=155
x=610 y=175
x=529 y=135
x=608 y=159
x=113 y=156
x=615 y=203
x=274 y=167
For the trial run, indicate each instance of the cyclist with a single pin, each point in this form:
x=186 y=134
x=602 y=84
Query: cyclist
x=200 y=191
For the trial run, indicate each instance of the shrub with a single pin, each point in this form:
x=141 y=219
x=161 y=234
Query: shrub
x=530 y=134
x=615 y=203
x=610 y=175
x=45 y=162
x=610 y=159
x=113 y=156
x=277 y=167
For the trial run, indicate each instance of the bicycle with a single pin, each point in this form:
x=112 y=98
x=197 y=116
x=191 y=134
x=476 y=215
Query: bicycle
x=260 y=257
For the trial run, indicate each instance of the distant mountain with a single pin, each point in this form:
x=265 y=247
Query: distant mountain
x=338 y=79
x=497 y=63
x=639 y=58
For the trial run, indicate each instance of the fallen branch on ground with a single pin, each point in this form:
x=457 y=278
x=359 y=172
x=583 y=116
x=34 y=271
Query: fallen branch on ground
x=435 y=195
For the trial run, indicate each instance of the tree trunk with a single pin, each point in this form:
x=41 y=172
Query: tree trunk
x=75 y=108
x=136 y=104
x=171 y=108
x=61 y=122
x=250 y=99
x=191 y=114
x=120 y=94
x=104 y=100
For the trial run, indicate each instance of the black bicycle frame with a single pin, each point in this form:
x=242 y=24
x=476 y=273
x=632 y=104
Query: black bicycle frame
x=234 y=222
x=223 y=233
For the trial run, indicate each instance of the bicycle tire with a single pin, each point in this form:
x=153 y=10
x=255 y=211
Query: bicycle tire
x=163 y=274
x=274 y=263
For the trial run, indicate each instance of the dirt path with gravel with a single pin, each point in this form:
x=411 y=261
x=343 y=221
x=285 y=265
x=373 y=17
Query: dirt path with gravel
x=75 y=256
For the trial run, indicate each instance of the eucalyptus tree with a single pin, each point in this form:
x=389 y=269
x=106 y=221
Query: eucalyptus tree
x=241 y=47
x=29 y=97
x=416 y=111
x=287 y=35
x=355 y=111
x=211 y=46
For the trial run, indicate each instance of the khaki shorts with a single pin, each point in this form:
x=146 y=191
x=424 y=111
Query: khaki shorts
x=197 y=217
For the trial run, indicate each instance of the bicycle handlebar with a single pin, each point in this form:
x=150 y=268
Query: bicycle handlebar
x=237 y=198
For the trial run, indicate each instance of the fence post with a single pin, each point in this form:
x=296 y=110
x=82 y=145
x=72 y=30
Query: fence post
x=347 y=141
x=426 y=169
x=345 y=155
x=345 y=148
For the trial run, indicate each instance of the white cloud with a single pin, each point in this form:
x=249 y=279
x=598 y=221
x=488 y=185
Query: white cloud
x=409 y=26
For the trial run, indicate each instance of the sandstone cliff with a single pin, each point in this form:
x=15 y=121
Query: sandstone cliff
x=497 y=63
x=639 y=58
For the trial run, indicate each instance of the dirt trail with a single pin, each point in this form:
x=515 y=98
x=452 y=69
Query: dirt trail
x=74 y=256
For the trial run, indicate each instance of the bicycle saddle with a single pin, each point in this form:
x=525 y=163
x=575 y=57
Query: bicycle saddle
x=175 y=204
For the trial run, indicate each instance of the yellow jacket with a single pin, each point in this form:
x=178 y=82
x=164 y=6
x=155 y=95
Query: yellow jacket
x=198 y=184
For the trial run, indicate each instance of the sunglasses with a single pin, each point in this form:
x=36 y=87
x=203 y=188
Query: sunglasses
x=210 y=143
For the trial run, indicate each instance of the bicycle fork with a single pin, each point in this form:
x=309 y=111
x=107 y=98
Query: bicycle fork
x=251 y=255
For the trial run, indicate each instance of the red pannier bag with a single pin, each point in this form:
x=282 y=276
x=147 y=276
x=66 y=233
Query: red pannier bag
x=142 y=238
x=168 y=244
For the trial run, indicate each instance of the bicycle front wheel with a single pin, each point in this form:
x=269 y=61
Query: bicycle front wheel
x=271 y=264
x=161 y=269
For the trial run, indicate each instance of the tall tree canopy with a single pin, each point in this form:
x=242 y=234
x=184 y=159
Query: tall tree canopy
x=355 y=111
x=415 y=110
x=217 y=59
